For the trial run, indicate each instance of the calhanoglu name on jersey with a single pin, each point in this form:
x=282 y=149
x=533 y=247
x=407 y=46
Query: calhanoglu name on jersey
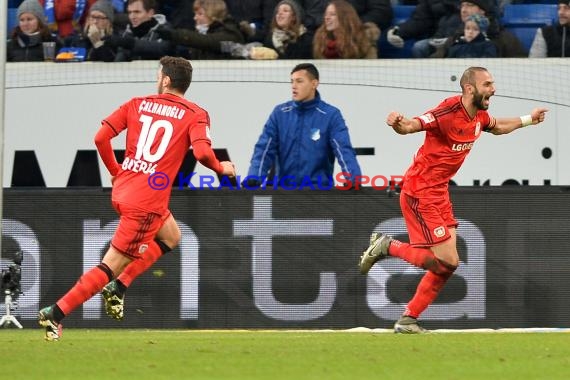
x=161 y=109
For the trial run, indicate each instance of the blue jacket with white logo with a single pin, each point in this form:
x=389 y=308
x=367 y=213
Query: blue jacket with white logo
x=302 y=139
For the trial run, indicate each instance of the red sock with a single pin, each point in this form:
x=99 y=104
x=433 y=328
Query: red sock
x=89 y=284
x=419 y=257
x=427 y=291
x=139 y=266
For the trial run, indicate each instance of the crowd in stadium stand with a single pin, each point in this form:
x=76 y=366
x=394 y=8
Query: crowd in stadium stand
x=126 y=30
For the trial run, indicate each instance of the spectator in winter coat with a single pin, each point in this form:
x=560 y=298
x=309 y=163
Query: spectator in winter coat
x=553 y=40
x=343 y=35
x=213 y=25
x=378 y=12
x=140 y=41
x=287 y=35
x=98 y=26
x=506 y=43
x=474 y=42
x=25 y=43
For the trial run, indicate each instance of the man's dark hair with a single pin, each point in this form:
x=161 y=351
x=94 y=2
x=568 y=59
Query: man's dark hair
x=309 y=67
x=179 y=70
x=147 y=4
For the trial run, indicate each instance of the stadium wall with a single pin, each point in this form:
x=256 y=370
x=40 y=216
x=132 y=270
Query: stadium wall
x=54 y=110
x=288 y=259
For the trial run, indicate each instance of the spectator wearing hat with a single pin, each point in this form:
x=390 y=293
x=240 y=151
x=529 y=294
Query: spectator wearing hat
x=474 y=42
x=287 y=35
x=506 y=43
x=553 y=40
x=98 y=27
x=25 y=43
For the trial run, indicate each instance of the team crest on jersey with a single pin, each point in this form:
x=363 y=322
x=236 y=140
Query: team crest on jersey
x=427 y=118
x=477 y=128
x=143 y=248
x=315 y=134
x=439 y=231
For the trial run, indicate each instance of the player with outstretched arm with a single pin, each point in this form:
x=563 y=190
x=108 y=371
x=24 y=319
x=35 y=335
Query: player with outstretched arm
x=451 y=130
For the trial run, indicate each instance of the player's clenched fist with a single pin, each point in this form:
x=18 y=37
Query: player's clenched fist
x=228 y=168
x=394 y=118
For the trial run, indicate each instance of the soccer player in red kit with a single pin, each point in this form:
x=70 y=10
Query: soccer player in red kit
x=451 y=130
x=160 y=130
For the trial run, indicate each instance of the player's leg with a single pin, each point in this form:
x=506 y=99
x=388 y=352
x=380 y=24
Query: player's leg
x=89 y=284
x=167 y=238
x=417 y=254
x=431 y=227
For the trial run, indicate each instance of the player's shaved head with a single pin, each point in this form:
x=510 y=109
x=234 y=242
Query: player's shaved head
x=468 y=76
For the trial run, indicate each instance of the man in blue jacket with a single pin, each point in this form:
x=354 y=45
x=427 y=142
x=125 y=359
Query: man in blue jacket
x=301 y=140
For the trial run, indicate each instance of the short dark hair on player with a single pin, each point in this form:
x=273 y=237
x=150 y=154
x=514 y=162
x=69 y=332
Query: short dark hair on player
x=179 y=70
x=468 y=76
x=308 y=67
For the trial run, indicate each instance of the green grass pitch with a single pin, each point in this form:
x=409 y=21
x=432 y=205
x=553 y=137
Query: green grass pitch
x=233 y=354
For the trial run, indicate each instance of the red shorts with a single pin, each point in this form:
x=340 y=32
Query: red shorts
x=427 y=220
x=136 y=230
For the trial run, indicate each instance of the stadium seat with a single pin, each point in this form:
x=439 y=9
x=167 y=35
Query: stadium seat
x=402 y=13
x=524 y=34
x=12 y=20
x=528 y=15
x=524 y=19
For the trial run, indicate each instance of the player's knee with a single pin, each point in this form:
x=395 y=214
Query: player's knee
x=165 y=246
x=442 y=267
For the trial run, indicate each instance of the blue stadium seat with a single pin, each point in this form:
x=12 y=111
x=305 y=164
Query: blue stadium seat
x=523 y=20
x=12 y=21
x=525 y=34
x=527 y=15
x=402 y=13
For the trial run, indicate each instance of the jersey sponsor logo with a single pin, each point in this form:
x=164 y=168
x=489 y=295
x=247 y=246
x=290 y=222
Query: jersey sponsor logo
x=427 y=118
x=161 y=109
x=138 y=166
x=462 y=147
x=439 y=231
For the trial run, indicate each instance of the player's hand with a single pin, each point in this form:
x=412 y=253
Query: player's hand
x=394 y=118
x=538 y=115
x=228 y=169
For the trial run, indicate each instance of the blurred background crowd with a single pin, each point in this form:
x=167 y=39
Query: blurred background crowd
x=126 y=30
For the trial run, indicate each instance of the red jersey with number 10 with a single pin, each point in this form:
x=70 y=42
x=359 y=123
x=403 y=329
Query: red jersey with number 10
x=160 y=130
x=450 y=135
